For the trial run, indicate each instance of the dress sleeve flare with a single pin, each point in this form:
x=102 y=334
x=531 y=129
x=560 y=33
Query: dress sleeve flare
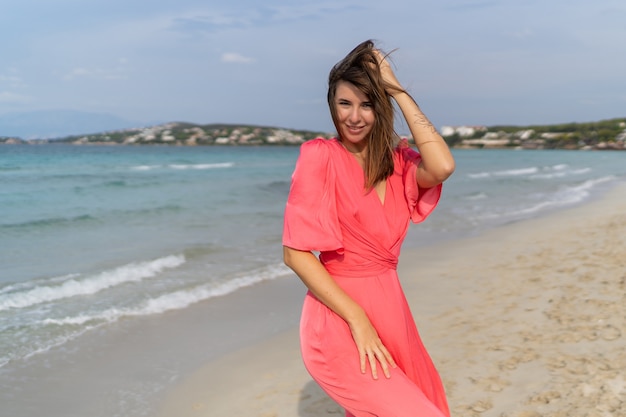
x=421 y=201
x=311 y=222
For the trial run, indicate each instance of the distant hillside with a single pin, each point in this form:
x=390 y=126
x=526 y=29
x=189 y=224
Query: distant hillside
x=606 y=134
x=189 y=134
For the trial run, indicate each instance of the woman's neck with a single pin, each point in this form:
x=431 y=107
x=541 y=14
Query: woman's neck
x=358 y=150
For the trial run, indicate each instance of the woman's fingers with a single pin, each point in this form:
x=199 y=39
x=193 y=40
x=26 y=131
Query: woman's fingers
x=389 y=358
x=363 y=359
x=384 y=358
x=387 y=73
x=374 y=357
x=371 y=349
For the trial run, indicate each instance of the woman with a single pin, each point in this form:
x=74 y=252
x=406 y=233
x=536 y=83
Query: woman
x=351 y=199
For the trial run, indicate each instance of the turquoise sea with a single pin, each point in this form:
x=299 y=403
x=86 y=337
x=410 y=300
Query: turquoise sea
x=91 y=236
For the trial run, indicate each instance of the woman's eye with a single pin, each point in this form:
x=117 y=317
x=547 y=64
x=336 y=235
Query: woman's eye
x=367 y=105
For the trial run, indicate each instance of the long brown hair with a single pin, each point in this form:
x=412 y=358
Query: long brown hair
x=360 y=67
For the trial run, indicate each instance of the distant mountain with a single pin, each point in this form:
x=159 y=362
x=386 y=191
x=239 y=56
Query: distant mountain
x=48 y=124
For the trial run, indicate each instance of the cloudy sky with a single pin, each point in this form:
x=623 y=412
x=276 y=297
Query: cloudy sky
x=266 y=62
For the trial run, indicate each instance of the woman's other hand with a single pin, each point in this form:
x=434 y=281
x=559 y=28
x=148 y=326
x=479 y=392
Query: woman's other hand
x=371 y=348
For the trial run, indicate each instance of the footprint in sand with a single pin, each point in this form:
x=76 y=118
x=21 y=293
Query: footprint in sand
x=544 y=397
x=610 y=333
x=492 y=383
x=481 y=406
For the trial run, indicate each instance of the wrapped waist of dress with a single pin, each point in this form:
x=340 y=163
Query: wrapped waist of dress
x=359 y=270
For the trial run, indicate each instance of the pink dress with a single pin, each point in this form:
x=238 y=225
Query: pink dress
x=359 y=240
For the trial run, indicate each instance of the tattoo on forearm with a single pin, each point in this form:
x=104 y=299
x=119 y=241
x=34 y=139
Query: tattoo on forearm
x=421 y=120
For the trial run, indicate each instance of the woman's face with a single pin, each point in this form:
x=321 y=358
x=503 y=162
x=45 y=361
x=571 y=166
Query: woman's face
x=355 y=115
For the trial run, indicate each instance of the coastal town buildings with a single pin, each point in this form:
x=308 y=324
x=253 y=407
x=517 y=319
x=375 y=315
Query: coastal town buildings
x=603 y=135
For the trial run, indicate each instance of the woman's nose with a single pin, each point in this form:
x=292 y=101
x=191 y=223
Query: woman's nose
x=355 y=115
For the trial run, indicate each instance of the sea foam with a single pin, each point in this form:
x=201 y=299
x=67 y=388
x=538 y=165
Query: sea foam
x=75 y=286
x=566 y=196
x=175 y=300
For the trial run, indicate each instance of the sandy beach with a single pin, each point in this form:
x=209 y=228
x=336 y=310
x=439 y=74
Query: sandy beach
x=525 y=320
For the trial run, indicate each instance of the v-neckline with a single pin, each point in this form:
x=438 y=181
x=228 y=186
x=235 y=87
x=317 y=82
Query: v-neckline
x=381 y=199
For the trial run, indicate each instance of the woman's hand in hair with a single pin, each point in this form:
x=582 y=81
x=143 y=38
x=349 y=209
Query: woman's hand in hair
x=392 y=85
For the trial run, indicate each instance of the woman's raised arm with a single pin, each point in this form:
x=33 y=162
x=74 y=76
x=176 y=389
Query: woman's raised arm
x=437 y=161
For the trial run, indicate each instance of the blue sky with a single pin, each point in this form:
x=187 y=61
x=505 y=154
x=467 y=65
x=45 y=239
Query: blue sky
x=245 y=61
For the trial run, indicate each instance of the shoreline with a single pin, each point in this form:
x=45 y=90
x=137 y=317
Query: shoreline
x=124 y=368
x=522 y=320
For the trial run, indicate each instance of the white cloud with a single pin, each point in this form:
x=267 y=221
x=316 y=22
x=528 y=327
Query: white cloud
x=236 y=58
x=316 y=10
x=9 y=97
x=10 y=78
x=12 y=81
x=212 y=21
x=76 y=73
x=98 y=73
